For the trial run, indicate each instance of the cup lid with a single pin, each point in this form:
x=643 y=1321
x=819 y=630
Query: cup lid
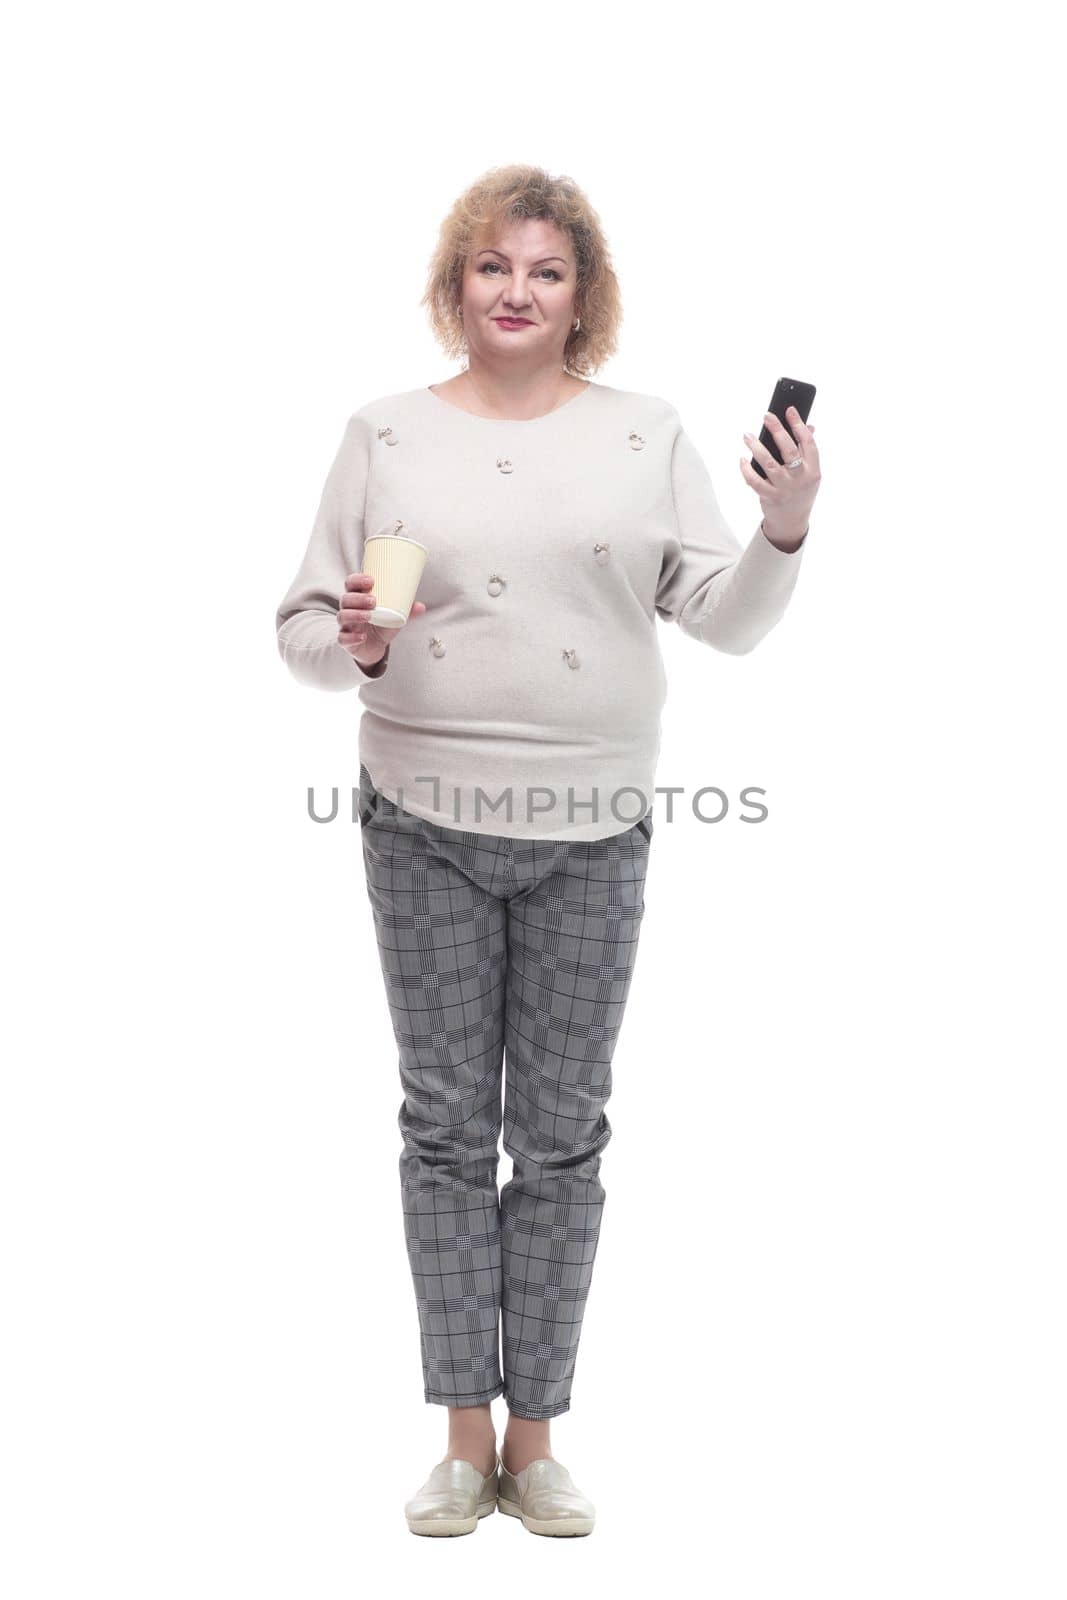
x=395 y=530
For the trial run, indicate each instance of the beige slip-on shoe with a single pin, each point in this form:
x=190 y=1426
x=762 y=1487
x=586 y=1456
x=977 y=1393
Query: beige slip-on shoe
x=452 y=1499
x=545 y=1497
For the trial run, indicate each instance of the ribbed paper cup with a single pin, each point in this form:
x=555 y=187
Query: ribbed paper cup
x=396 y=563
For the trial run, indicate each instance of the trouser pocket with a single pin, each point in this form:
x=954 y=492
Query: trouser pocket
x=368 y=796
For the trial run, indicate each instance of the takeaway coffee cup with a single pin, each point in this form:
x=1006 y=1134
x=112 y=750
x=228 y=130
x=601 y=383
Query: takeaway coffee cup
x=395 y=561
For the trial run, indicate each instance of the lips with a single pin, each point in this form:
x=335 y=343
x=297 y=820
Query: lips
x=515 y=322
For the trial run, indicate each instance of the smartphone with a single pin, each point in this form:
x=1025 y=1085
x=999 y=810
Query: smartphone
x=787 y=392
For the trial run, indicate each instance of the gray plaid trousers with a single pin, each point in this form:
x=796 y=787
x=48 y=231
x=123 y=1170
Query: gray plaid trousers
x=488 y=941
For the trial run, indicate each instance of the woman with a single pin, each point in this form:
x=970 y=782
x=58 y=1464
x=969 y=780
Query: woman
x=500 y=748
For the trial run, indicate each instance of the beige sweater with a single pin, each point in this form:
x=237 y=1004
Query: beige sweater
x=526 y=700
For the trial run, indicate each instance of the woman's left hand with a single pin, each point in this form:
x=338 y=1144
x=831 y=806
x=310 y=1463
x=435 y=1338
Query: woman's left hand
x=786 y=495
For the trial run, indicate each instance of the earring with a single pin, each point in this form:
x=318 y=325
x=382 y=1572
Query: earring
x=577 y=324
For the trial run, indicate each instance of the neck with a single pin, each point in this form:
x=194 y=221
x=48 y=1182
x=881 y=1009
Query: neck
x=516 y=394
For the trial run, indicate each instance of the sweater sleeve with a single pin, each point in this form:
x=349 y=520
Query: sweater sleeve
x=306 y=621
x=718 y=593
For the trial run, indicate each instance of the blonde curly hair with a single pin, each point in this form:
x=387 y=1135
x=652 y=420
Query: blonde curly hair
x=501 y=195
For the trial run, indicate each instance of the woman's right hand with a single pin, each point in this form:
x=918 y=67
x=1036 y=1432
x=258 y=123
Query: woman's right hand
x=365 y=642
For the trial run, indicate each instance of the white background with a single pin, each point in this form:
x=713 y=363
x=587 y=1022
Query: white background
x=823 y=1352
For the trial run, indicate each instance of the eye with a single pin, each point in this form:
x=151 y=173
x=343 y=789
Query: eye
x=550 y=270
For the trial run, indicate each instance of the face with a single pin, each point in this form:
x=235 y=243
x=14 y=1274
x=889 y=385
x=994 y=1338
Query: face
x=526 y=270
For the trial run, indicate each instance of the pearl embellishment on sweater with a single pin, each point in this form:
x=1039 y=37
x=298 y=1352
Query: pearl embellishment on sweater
x=505 y=466
x=436 y=646
x=602 y=552
x=572 y=658
x=636 y=442
x=388 y=435
x=495 y=584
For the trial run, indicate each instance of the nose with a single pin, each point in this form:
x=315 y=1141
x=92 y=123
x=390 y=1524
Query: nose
x=517 y=298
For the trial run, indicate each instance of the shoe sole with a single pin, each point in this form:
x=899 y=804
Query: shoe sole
x=442 y=1528
x=560 y=1527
